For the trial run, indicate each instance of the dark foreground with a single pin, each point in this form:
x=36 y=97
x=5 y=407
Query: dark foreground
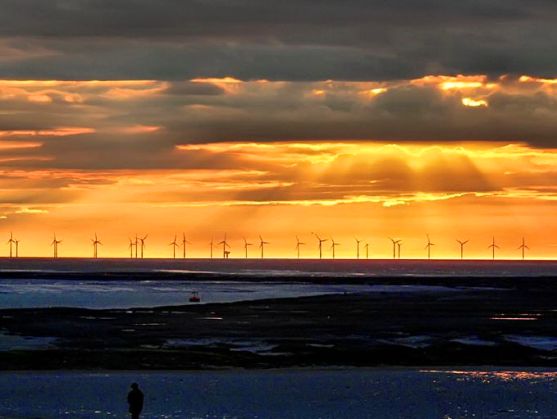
x=285 y=394
x=513 y=324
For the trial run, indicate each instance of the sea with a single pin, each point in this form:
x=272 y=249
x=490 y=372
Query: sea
x=125 y=283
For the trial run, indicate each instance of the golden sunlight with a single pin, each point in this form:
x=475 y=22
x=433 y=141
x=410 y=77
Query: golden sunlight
x=343 y=189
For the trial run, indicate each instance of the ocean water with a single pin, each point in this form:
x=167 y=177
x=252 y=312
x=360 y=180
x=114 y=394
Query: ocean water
x=99 y=294
x=285 y=394
x=288 y=267
x=124 y=283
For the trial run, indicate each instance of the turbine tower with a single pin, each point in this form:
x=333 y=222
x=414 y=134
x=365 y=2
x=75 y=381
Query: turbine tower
x=174 y=245
x=493 y=246
x=523 y=247
x=142 y=240
x=131 y=245
x=225 y=246
x=16 y=248
x=11 y=243
x=366 y=246
x=185 y=242
x=246 y=245
x=357 y=247
x=428 y=247
x=321 y=241
x=96 y=243
x=262 y=244
x=211 y=244
x=398 y=245
x=54 y=244
x=395 y=244
x=334 y=244
x=462 y=243
x=136 y=244
x=298 y=244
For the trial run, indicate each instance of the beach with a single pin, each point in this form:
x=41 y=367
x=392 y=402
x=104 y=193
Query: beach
x=285 y=394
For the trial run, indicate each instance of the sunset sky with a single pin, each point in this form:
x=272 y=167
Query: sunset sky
x=351 y=118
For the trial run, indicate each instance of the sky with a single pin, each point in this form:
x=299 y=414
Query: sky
x=349 y=119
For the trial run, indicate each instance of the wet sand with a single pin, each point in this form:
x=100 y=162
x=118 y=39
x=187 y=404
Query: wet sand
x=285 y=394
x=497 y=322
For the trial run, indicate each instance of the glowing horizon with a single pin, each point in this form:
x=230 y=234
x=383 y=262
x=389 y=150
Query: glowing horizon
x=372 y=160
x=271 y=194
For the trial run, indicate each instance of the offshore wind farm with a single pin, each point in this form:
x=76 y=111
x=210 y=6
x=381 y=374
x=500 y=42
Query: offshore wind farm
x=137 y=249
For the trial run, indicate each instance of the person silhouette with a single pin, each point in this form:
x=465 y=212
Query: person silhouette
x=135 y=401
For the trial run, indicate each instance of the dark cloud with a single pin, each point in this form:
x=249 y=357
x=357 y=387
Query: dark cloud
x=288 y=40
x=87 y=126
x=405 y=113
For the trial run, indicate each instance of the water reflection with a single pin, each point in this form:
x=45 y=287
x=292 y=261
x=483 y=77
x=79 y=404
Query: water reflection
x=505 y=375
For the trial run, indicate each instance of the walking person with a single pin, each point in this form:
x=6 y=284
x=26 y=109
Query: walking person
x=135 y=401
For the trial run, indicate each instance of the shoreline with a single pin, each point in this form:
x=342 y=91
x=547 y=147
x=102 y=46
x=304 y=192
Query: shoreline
x=234 y=370
x=469 y=328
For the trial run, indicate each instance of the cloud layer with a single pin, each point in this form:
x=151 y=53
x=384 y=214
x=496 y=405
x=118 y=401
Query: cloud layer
x=90 y=125
x=304 y=40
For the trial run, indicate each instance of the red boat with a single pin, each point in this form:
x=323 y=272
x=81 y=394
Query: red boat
x=195 y=297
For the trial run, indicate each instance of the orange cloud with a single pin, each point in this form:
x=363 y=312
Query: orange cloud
x=10 y=145
x=474 y=103
x=529 y=79
x=77 y=83
x=57 y=132
x=228 y=84
x=121 y=93
x=137 y=129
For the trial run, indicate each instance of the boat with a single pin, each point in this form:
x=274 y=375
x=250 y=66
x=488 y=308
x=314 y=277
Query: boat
x=194 y=298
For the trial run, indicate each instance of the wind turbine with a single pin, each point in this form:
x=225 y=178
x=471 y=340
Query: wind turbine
x=262 y=244
x=462 y=243
x=16 y=248
x=136 y=244
x=523 y=247
x=321 y=241
x=428 y=247
x=357 y=248
x=11 y=242
x=334 y=244
x=493 y=246
x=246 y=245
x=225 y=245
x=366 y=246
x=132 y=244
x=96 y=243
x=142 y=240
x=184 y=242
x=395 y=244
x=55 y=244
x=398 y=245
x=174 y=245
x=298 y=244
